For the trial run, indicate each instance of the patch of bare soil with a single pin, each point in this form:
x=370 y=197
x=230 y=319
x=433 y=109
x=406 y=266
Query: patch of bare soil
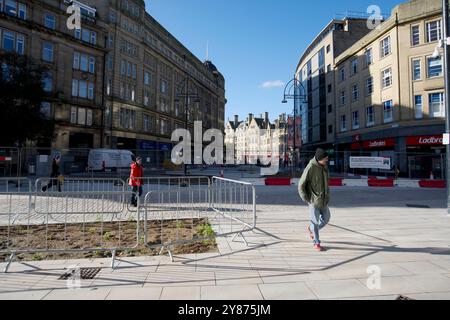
x=96 y=235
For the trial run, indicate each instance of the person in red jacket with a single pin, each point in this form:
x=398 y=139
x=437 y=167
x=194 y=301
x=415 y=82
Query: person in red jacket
x=136 y=181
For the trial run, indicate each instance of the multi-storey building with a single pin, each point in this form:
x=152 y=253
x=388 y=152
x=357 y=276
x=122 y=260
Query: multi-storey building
x=390 y=91
x=147 y=73
x=119 y=81
x=256 y=138
x=74 y=60
x=315 y=72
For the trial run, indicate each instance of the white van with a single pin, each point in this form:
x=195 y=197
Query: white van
x=108 y=159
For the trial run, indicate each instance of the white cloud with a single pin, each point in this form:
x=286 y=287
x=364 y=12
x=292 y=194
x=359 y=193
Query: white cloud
x=272 y=84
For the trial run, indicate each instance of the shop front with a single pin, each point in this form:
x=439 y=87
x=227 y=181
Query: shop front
x=426 y=157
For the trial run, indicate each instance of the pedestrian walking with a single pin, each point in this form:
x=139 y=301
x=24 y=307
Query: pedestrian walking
x=136 y=180
x=56 y=174
x=314 y=190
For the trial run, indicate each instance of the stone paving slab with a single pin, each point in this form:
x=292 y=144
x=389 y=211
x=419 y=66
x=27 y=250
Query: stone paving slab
x=410 y=246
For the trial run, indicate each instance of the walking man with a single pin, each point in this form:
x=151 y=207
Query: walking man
x=314 y=190
x=136 y=180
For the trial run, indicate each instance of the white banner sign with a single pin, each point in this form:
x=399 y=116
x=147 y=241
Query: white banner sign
x=370 y=163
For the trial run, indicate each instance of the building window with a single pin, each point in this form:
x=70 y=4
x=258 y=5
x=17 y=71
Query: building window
x=369 y=57
x=385 y=47
x=355 y=120
x=123 y=68
x=369 y=86
x=355 y=93
x=46 y=109
x=330 y=129
x=127 y=118
x=329 y=68
x=50 y=21
x=328 y=48
x=47 y=51
x=330 y=108
x=387 y=111
x=354 y=67
x=436 y=104
x=146 y=123
x=147 y=78
x=329 y=88
x=164 y=86
x=342 y=73
x=370 y=116
x=164 y=126
x=91 y=64
x=343 y=123
x=416 y=70
x=134 y=71
x=434 y=67
x=83 y=89
x=83 y=62
x=112 y=17
x=81 y=116
x=342 y=98
x=12 y=41
x=86 y=35
x=415 y=35
x=14 y=8
x=434 y=31
x=418 y=107
x=386 y=76
x=47 y=81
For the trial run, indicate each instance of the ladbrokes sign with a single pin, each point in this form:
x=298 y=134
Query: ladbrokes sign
x=425 y=141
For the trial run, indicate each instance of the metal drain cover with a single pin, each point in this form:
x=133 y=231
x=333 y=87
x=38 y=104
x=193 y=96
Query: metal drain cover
x=81 y=273
x=403 y=298
x=420 y=206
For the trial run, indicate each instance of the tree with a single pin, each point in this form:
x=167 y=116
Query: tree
x=21 y=96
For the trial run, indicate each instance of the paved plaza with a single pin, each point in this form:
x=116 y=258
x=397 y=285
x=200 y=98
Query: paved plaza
x=401 y=233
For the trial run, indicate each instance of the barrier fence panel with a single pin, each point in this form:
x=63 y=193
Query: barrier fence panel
x=15 y=184
x=234 y=201
x=193 y=183
x=80 y=184
x=58 y=222
x=182 y=216
x=9 y=162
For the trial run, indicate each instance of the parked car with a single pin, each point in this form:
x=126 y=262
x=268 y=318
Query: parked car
x=109 y=160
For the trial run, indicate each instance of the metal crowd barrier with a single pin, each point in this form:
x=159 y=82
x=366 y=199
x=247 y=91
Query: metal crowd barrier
x=82 y=184
x=234 y=201
x=15 y=184
x=225 y=208
x=57 y=222
x=92 y=216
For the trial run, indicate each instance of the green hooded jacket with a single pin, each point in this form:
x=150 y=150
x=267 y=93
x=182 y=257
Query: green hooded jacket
x=313 y=186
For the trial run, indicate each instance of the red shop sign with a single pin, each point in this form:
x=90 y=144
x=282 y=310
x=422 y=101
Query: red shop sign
x=379 y=143
x=424 y=141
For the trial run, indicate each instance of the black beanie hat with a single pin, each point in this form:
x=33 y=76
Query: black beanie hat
x=321 y=154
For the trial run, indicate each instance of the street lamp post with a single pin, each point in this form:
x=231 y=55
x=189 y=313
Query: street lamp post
x=299 y=96
x=185 y=92
x=446 y=43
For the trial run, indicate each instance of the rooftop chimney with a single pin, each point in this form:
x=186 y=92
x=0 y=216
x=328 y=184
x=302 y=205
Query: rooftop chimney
x=266 y=117
x=236 y=120
x=250 y=117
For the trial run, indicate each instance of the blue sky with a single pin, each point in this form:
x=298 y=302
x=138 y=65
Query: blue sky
x=253 y=42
